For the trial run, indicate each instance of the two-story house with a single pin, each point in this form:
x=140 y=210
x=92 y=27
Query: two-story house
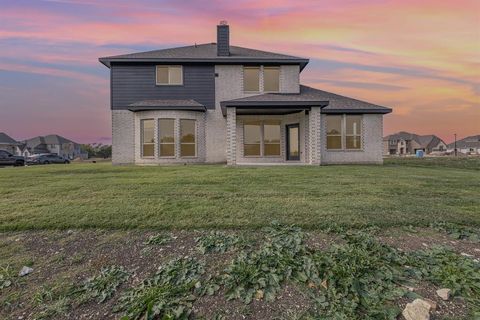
x=402 y=143
x=217 y=103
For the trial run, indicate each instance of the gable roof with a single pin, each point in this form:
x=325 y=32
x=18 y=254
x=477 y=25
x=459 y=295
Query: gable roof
x=467 y=142
x=308 y=96
x=205 y=53
x=49 y=139
x=424 y=141
x=6 y=139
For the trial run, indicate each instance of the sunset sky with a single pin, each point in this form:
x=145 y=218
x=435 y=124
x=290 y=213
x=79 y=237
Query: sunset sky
x=420 y=57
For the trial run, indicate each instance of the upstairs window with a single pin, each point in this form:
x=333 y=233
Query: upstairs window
x=169 y=75
x=271 y=79
x=344 y=132
x=251 y=79
x=148 y=138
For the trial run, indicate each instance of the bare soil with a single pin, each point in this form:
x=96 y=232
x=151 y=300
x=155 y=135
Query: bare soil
x=69 y=257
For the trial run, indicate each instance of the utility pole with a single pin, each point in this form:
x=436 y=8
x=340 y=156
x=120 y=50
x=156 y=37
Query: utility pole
x=455 y=144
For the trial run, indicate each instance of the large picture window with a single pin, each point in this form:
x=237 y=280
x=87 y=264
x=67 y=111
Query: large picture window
x=148 y=138
x=187 y=138
x=271 y=138
x=353 y=137
x=169 y=75
x=166 y=134
x=252 y=136
x=261 y=138
x=344 y=132
x=251 y=79
x=271 y=79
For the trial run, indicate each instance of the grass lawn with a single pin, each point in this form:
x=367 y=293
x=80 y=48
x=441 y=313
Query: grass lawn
x=401 y=192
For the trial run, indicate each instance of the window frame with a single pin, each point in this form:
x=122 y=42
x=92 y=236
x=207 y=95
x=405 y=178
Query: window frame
x=189 y=143
x=168 y=68
x=174 y=143
x=343 y=133
x=262 y=140
x=271 y=68
x=142 y=138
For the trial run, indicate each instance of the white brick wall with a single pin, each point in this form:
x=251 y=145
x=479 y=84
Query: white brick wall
x=290 y=79
x=123 y=137
x=177 y=115
x=371 y=152
x=284 y=121
x=314 y=126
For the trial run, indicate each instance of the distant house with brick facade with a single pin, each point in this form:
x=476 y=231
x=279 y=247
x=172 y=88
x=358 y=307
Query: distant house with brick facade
x=219 y=103
x=403 y=143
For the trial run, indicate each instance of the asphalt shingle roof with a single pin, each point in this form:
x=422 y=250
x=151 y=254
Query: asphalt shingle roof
x=205 y=53
x=468 y=142
x=6 y=139
x=425 y=141
x=334 y=103
x=167 y=104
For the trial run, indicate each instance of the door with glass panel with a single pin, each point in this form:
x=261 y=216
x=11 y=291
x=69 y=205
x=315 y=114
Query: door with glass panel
x=293 y=142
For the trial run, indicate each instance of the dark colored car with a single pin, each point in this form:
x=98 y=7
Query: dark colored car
x=47 y=159
x=8 y=159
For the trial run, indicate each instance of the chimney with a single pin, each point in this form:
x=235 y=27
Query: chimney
x=223 y=39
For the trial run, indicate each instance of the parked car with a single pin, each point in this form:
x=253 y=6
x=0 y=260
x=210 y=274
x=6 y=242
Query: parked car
x=8 y=159
x=47 y=159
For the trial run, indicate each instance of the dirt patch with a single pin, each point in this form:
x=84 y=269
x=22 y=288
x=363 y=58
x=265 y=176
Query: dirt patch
x=423 y=238
x=453 y=308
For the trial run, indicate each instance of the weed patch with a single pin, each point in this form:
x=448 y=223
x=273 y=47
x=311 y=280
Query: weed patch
x=457 y=231
x=8 y=277
x=158 y=239
x=103 y=286
x=216 y=241
x=169 y=294
x=448 y=269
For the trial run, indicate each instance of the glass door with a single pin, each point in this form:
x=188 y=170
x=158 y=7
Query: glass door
x=293 y=142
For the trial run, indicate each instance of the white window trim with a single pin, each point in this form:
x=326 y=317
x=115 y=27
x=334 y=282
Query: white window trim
x=180 y=139
x=169 y=82
x=344 y=135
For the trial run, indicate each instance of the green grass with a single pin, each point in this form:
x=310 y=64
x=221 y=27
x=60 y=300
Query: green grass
x=401 y=192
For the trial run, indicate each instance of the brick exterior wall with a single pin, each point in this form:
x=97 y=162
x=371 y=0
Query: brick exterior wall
x=372 y=143
x=177 y=115
x=123 y=137
x=231 y=136
x=285 y=120
x=314 y=127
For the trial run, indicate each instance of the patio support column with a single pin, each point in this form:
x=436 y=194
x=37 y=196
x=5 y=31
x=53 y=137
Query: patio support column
x=231 y=136
x=314 y=124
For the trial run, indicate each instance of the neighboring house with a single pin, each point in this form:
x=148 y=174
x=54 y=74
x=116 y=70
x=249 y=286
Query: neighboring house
x=468 y=145
x=214 y=103
x=51 y=144
x=408 y=143
x=9 y=144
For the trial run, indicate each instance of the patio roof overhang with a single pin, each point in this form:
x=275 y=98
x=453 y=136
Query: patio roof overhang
x=178 y=105
x=270 y=107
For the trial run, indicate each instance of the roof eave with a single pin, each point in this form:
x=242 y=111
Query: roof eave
x=358 y=111
x=107 y=61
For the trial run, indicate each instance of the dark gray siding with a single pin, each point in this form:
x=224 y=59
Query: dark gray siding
x=136 y=82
